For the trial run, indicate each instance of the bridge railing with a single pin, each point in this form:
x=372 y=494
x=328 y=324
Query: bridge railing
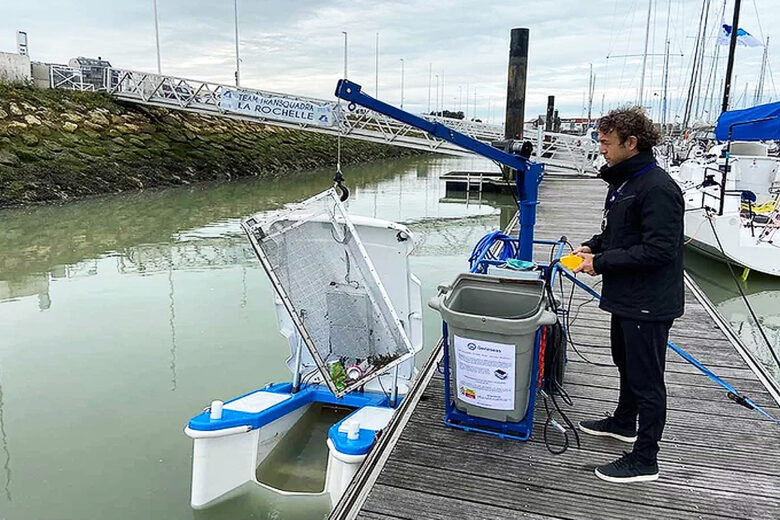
x=71 y=78
x=566 y=150
x=209 y=97
x=216 y=99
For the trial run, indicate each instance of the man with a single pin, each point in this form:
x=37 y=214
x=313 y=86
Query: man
x=639 y=255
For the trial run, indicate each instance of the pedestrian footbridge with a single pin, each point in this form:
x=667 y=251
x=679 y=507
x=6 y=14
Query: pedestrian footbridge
x=328 y=116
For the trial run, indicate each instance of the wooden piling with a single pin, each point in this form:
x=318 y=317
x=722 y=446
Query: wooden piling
x=548 y=121
x=515 y=93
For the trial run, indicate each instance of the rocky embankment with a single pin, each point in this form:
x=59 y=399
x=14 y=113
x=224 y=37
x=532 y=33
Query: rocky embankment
x=57 y=145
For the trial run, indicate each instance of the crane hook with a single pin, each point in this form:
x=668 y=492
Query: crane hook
x=338 y=183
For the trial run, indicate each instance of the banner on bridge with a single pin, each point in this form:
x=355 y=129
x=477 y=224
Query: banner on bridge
x=274 y=107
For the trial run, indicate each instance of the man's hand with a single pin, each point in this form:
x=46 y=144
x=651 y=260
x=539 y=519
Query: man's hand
x=587 y=262
x=581 y=249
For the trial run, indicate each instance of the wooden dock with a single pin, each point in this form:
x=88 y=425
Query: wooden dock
x=717 y=459
x=493 y=181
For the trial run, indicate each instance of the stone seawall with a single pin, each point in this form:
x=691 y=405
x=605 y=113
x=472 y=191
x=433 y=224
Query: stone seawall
x=58 y=145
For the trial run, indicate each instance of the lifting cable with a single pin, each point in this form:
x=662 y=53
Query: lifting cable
x=708 y=216
x=338 y=178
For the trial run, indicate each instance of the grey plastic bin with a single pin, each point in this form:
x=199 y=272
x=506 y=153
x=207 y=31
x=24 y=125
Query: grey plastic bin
x=492 y=323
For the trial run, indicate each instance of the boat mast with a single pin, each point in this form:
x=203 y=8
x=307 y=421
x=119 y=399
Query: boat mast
x=666 y=66
x=591 y=84
x=726 y=90
x=760 y=88
x=694 y=65
x=644 y=56
x=666 y=86
x=730 y=65
x=710 y=96
x=696 y=112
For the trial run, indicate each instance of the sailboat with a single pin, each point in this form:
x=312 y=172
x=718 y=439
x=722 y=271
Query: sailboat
x=732 y=190
x=732 y=193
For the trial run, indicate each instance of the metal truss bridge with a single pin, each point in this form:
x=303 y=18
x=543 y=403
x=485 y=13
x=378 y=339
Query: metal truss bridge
x=203 y=97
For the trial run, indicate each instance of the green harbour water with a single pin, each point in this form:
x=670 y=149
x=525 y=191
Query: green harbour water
x=122 y=317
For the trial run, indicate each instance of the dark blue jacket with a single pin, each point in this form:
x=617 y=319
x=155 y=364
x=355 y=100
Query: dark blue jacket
x=639 y=253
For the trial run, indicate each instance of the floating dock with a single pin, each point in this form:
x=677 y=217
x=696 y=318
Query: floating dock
x=717 y=459
x=494 y=182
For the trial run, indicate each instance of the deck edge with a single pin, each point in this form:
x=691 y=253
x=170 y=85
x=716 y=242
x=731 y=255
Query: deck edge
x=755 y=366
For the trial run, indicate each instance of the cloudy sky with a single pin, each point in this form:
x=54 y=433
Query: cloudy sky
x=296 y=46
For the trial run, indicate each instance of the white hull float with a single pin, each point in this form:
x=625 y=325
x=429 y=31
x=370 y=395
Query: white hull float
x=229 y=447
x=346 y=294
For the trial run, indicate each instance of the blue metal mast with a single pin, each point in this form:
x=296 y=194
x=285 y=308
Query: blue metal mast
x=528 y=174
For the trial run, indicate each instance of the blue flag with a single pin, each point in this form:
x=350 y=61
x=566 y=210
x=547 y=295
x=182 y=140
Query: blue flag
x=744 y=38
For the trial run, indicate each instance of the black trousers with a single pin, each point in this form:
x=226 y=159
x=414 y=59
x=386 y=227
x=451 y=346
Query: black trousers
x=639 y=351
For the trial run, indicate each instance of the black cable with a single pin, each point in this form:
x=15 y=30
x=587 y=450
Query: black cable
x=566 y=419
x=568 y=323
x=561 y=429
x=741 y=292
x=553 y=373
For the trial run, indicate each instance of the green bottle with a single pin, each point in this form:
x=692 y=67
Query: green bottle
x=338 y=375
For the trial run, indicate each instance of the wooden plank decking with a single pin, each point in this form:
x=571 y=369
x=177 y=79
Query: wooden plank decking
x=717 y=459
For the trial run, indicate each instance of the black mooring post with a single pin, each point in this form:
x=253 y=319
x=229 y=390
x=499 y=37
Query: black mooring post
x=515 y=92
x=548 y=122
x=556 y=122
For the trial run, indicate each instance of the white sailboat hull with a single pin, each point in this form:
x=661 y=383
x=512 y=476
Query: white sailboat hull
x=732 y=236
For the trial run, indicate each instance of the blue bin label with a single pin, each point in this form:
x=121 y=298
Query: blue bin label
x=485 y=373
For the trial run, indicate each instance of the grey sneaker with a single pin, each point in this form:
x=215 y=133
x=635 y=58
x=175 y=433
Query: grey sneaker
x=607 y=428
x=627 y=469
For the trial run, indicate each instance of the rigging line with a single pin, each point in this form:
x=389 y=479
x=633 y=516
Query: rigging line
x=742 y=293
x=763 y=39
x=705 y=106
x=679 y=31
x=612 y=33
x=652 y=57
x=692 y=84
x=758 y=20
x=630 y=26
x=697 y=113
x=771 y=76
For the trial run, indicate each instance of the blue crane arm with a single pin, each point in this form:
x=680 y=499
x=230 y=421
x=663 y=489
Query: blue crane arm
x=528 y=174
x=353 y=93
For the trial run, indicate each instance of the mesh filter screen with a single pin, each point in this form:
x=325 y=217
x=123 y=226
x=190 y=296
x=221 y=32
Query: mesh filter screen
x=318 y=266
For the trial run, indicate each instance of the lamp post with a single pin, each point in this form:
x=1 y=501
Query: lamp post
x=157 y=38
x=376 y=69
x=238 y=58
x=466 y=108
x=345 y=53
x=430 y=70
x=402 y=83
x=443 y=90
x=436 y=110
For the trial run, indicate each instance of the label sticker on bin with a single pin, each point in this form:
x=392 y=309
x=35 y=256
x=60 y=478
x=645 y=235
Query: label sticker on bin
x=485 y=373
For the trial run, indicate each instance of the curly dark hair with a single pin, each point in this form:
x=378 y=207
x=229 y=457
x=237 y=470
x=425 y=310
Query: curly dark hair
x=628 y=121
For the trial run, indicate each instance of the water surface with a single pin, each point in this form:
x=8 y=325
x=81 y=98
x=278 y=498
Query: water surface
x=120 y=318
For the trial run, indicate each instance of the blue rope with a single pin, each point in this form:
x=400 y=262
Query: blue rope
x=733 y=393
x=482 y=251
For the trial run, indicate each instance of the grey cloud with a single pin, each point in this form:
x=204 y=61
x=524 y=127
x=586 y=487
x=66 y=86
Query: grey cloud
x=296 y=46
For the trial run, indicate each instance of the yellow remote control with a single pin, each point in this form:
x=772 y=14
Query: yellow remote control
x=571 y=262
